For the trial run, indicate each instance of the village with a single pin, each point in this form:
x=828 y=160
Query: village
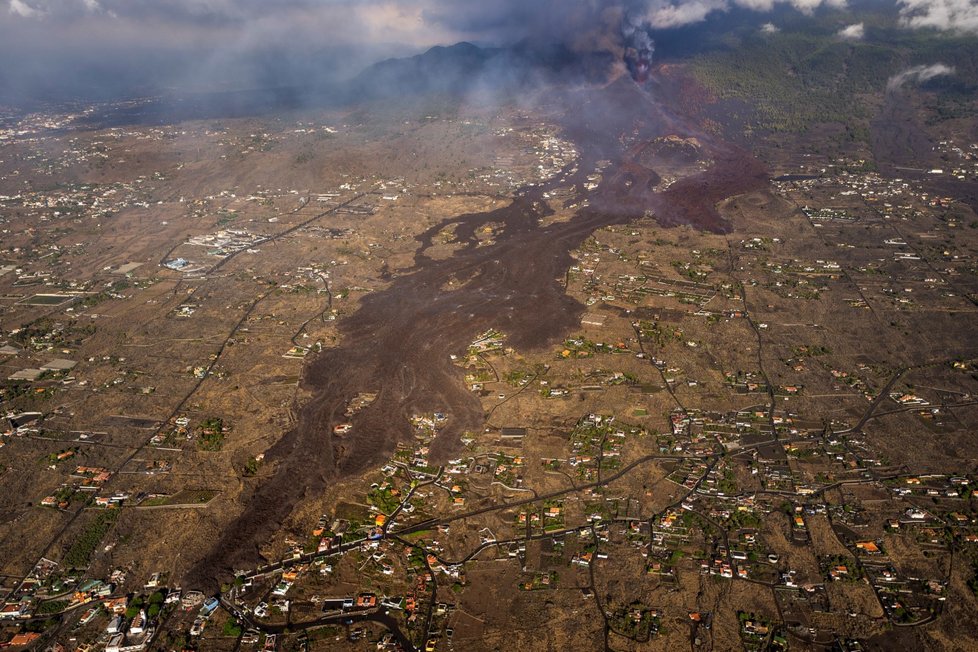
x=724 y=419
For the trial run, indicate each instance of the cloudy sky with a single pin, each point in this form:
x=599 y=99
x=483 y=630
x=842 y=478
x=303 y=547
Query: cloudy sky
x=51 y=45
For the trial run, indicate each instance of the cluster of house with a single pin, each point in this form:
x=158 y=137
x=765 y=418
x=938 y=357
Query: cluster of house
x=965 y=155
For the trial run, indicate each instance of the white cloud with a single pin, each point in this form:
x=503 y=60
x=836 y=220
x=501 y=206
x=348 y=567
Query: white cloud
x=24 y=10
x=947 y=15
x=770 y=28
x=918 y=75
x=54 y=8
x=675 y=13
x=806 y=7
x=756 y=5
x=852 y=32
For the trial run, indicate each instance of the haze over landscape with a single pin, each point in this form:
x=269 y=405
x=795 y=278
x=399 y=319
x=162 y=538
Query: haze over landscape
x=452 y=325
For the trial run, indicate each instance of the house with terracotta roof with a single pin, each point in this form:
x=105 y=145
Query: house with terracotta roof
x=21 y=640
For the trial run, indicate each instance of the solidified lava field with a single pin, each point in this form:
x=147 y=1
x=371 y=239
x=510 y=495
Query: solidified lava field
x=399 y=341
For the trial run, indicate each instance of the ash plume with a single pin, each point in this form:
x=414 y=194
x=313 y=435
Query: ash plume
x=918 y=75
x=638 y=47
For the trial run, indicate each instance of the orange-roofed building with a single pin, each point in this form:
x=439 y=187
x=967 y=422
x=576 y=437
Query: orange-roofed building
x=366 y=600
x=24 y=639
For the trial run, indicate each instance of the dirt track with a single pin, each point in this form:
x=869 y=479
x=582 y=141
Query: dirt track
x=400 y=340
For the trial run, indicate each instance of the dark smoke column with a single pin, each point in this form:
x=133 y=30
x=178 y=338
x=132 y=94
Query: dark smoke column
x=639 y=48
